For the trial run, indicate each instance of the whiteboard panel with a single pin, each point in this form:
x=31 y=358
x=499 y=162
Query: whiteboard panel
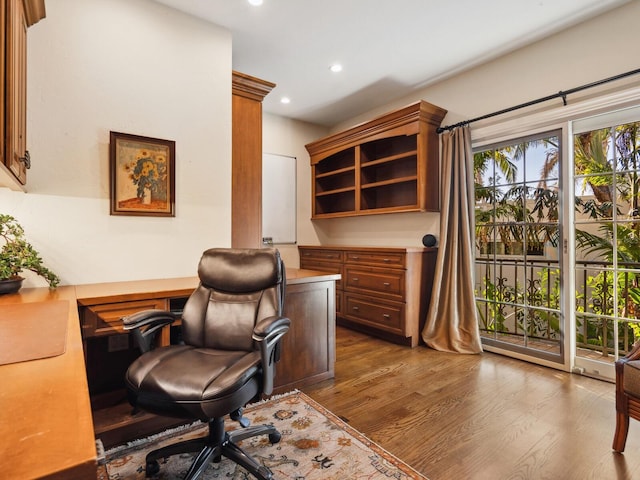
x=279 y=198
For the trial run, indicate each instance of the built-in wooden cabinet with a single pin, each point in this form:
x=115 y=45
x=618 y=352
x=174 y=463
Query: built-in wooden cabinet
x=390 y=164
x=16 y=16
x=246 y=166
x=383 y=291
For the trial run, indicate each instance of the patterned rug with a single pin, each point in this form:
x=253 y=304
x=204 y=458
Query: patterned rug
x=315 y=445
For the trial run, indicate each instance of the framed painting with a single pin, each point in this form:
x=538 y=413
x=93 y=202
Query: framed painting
x=142 y=175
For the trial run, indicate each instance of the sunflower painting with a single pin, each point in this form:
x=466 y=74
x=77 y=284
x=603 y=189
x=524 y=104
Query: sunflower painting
x=142 y=175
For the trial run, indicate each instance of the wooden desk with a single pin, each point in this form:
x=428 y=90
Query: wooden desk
x=46 y=429
x=308 y=349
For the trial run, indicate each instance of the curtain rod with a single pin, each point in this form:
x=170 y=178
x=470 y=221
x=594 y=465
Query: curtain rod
x=561 y=94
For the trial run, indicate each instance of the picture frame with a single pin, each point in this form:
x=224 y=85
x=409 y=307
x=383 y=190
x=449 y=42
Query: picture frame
x=141 y=175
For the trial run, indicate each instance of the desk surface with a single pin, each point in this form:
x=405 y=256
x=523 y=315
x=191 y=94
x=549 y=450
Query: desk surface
x=46 y=429
x=99 y=293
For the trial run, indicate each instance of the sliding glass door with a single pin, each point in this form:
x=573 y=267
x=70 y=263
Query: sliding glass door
x=518 y=269
x=607 y=239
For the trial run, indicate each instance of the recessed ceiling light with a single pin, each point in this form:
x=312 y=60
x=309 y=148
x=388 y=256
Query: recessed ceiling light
x=335 y=68
x=285 y=100
x=255 y=3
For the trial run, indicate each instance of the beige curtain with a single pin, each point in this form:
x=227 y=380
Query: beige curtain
x=452 y=322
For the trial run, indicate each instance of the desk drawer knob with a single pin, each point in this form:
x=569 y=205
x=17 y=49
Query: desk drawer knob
x=386 y=316
x=355 y=279
x=356 y=308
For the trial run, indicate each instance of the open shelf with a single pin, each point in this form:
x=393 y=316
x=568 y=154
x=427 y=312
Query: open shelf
x=341 y=201
x=340 y=180
x=344 y=159
x=390 y=164
x=386 y=183
x=386 y=195
x=398 y=169
x=388 y=148
x=339 y=171
x=391 y=158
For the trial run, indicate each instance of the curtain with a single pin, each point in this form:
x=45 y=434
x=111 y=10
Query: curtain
x=452 y=321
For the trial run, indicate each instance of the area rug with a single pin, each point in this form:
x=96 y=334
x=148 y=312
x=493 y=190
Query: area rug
x=315 y=445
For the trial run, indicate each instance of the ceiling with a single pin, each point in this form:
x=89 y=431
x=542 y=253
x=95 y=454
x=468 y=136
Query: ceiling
x=388 y=48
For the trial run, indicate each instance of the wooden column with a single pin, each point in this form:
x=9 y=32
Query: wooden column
x=246 y=169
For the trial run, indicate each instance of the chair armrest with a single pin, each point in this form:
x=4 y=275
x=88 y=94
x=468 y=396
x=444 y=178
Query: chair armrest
x=634 y=354
x=145 y=325
x=267 y=333
x=267 y=326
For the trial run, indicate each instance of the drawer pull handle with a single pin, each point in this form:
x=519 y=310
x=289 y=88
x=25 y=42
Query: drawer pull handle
x=356 y=308
x=355 y=279
x=387 y=260
x=386 y=315
x=386 y=284
x=355 y=258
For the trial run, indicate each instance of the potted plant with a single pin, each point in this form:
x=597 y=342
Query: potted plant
x=16 y=255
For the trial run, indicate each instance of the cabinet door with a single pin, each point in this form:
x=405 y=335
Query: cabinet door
x=3 y=52
x=16 y=90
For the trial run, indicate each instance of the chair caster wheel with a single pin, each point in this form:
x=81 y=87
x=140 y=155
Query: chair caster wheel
x=274 y=437
x=151 y=468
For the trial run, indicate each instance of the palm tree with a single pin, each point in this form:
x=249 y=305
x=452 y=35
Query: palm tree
x=494 y=205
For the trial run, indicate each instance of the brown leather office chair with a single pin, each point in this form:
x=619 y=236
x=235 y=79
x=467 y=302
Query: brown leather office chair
x=231 y=330
x=627 y=395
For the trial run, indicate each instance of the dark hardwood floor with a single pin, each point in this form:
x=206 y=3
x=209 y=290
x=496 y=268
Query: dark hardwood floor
x=477 y=417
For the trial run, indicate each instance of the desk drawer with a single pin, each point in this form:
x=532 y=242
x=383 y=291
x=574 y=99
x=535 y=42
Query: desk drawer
x=375 y=281
x=387 y=259
x=327 y=261
x=387 y=316
x=105 y=319
x=322 y=255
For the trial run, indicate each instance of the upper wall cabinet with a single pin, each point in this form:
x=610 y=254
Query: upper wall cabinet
x=387 y=165
x=16 y=16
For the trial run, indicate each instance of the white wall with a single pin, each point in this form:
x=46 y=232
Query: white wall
x=135 y=67
x=596 y=49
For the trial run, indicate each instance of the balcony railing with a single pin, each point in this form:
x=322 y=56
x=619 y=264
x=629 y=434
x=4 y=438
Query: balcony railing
x=519 y=303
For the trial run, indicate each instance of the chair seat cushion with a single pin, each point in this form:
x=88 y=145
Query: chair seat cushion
x=185 y=381
x=631 y=383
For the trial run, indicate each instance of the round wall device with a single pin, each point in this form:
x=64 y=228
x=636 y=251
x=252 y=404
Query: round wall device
x=429 y=240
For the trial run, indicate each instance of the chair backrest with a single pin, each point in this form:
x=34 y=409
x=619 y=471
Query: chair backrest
x=238 y=287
